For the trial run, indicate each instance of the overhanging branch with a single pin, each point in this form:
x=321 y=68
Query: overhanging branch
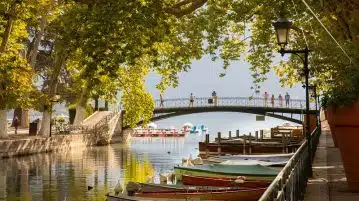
x=184 y=7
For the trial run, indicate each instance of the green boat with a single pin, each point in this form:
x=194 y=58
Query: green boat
x=252 y=172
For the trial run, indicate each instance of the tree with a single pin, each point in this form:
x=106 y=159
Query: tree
x=15 y=74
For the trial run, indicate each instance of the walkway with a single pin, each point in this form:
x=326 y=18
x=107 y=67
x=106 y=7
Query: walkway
x=95 y=118
x=329 y=181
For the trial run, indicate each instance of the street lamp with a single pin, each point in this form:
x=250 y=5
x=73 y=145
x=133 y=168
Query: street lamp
x=54 y=99
x=282 y=28
x=315 y=95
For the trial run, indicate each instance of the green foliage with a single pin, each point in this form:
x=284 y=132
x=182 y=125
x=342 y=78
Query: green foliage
x=16 y=86
x=100 y=48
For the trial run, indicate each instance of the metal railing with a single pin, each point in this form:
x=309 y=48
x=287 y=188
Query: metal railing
x=231 y=101
x=290 y=184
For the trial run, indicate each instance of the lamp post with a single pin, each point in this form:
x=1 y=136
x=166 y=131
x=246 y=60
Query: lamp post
x=282 y=27
x=54 y=99
x=315 y=95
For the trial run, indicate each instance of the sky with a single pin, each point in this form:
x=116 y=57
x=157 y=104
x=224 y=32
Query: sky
x=203 y=78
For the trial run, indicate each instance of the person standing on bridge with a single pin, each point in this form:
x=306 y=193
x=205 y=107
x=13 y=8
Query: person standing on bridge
x=272 y=100
x=214 y=97
x=265 y=99
x=161 y=101
x=280 y=98
x=191 y=100
x=287 y=98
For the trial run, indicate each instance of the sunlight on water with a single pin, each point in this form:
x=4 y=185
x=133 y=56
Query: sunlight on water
x=66 y=176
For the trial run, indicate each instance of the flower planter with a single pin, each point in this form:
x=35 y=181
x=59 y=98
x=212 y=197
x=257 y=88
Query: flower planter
x=346 y=122
x=330 y=118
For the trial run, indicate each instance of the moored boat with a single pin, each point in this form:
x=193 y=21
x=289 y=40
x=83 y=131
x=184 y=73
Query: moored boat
x=150 y=187
x=251 y=172
x=242 y=195
x=267 y=157
x=224 y=182
x=122 y=197
x=224 y=161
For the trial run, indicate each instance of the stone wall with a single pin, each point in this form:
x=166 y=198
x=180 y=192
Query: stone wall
x=33 y=145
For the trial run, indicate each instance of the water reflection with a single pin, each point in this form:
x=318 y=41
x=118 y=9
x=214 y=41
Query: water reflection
x=66 y=175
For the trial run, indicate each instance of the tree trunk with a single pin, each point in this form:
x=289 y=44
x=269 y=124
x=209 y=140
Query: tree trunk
x=45 y=123
x=3 y=122
x=96 y=104
x=59 y=64
x=38 y=36
x=80 y=114
x=4 y=41
x=17 y=114
x=24 y=114
x=8 y=27
x=25 y=118
x=81 y=105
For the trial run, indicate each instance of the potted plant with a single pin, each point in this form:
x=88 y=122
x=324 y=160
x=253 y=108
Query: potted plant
x=342 y=103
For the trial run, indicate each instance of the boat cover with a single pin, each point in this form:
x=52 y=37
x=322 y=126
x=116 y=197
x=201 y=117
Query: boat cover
x=254 y=170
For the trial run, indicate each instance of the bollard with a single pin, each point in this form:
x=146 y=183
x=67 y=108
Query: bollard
x=219 y=143
x=244 y=144
x=207 y=142
x=237 y=133
x=256 y=136
x=261 y=133
x=250 y=143
x=207 y=139
x=230 y=135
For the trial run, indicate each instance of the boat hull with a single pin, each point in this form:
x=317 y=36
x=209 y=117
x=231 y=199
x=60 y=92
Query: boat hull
x=251 y=172
x=242 y=195
x=223 y=182
x=148 y=188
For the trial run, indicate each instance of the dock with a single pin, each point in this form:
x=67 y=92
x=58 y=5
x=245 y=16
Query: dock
x=282 y=140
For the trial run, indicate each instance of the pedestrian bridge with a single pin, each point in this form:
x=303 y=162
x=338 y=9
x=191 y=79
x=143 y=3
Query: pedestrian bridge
x=292 y=111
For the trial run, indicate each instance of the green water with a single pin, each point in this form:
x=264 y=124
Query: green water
x=66 y=176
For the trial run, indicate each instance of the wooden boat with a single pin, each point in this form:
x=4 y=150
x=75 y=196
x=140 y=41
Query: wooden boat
x=148 y=188
x=251 y=172
x=242 y=195
x=219 y=160
x=122 y=197
x=225 y=182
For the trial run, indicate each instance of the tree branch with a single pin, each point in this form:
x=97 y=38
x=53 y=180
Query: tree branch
x=178 y=11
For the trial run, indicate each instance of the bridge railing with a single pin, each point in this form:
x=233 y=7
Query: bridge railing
x=231 y=101
x=291 y=182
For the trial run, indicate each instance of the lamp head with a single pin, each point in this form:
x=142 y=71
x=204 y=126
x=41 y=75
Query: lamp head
x=282 y=27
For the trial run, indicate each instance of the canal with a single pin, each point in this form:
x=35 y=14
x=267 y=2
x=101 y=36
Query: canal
x=66 y=176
